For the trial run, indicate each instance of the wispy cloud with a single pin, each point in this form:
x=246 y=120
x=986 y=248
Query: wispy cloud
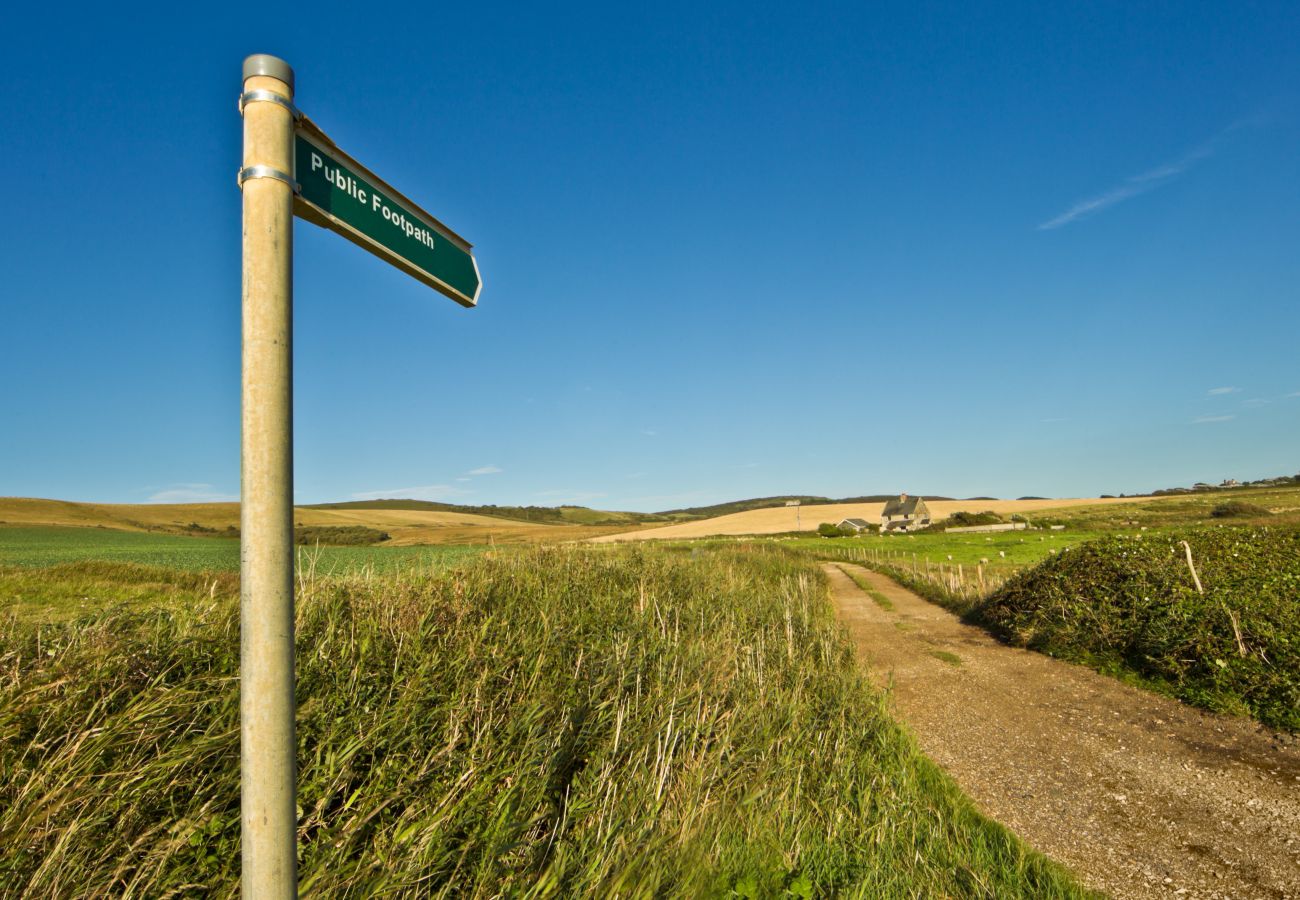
x=1294 y=394
x=1256 y=402
x=1206 y=420
x=191 y=492
x=1220 y=391
x=419 y=492
x=649 y=432
x=1142 y=182
x=484 y=470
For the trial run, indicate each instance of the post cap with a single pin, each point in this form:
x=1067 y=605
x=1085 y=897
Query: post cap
x=272 y=66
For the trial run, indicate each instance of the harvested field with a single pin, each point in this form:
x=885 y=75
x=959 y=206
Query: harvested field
x=785 y=518
x=406 y=526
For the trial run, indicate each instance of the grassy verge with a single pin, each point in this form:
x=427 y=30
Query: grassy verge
x=880 y=599
x=630 y=722
x=1133 y=606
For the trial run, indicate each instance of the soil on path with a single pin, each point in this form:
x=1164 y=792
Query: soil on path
x=1140 y=795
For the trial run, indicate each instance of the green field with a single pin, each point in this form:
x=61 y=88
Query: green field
x=1002 y=549
x=626 y=721
x=51 y=545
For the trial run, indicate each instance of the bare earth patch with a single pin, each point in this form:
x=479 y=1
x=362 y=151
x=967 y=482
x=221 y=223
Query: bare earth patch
x=1140 y=795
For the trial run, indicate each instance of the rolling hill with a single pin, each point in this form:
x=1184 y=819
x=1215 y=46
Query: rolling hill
x=806 y=518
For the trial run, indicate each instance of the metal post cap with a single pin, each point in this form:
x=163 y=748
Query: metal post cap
x=272 y=66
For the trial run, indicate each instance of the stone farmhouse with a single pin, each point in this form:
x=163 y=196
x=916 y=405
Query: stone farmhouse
x=904 y=514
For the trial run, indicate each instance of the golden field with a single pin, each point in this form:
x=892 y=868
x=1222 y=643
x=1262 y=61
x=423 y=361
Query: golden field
x=405 y=526
x=806 y=518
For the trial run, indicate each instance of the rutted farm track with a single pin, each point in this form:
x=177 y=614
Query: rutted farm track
x=1140 y=795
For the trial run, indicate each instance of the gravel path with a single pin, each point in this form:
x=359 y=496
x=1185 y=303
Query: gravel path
x=1140 y=795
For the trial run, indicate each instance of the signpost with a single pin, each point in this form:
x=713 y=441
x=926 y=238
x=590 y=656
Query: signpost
x=340 y=194
x=291 y=168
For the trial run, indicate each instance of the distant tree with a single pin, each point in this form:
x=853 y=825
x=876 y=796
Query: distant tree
x=826 y=529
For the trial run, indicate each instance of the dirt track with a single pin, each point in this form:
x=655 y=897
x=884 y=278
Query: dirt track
x=1140 y=795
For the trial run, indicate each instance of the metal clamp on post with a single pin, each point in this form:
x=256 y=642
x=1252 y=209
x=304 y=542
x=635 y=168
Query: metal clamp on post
x=248 y=97
x=268 y=172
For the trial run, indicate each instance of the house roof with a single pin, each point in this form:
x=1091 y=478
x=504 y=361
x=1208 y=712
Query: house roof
x=902 y=506
x=857 y=523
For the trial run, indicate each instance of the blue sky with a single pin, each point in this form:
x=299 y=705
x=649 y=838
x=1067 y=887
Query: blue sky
x=728 y=250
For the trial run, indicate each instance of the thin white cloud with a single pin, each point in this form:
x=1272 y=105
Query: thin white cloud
x=1206 y=420
x=1294 y=394
x=649 y=432
x=1220 y=391
x=419 y=492
x=1255 y=402
x=1141 y=183
x=191 y=492
x=484 y=470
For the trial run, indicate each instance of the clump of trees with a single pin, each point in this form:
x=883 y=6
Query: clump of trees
x=1238 y=509
x=830 y=530
x=963 y=519
x=338 y=535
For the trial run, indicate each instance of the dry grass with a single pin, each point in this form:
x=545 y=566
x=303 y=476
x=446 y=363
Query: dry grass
x=782 y=519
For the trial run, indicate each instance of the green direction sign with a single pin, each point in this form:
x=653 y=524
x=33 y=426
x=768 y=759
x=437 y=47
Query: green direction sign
x=340 y=194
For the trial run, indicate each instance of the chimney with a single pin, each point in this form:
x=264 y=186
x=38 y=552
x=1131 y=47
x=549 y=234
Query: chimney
x=902 y=496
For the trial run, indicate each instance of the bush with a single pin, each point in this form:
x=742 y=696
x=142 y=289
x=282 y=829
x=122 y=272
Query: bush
x=826 y=529
x=1238 y=509
x=1131 y=606
x=338 y=535
x=963 y=519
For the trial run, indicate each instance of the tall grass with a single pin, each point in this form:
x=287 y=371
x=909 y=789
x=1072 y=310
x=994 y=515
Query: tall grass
x=612 y=722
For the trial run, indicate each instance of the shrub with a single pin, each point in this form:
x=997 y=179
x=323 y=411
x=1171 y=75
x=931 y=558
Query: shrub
x=963 y=519
x=338 y=535
x=1238 y=509
x=1131 y=606
x=826 y=529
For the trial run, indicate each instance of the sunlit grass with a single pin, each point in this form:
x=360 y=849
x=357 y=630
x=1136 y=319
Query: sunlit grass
x=629 y=722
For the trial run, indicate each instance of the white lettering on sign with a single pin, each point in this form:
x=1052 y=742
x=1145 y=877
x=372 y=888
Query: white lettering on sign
x=350 y=186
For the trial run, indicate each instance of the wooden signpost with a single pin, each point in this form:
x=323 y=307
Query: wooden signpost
x=291 y=168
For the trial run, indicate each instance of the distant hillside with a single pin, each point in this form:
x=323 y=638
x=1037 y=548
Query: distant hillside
x=539 y=515
x=723 y=509
x=582 y=515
